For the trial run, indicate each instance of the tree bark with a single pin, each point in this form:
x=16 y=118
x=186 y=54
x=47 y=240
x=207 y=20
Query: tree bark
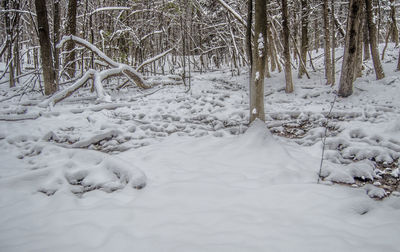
x=7 y=24
x=56 y=36
x=258 y=67
x=350 y=49
x=373 y=41
x=71 y=30
x=359 y=60
x=327 y=44
x=248 y=32
x=45 y=48
x=286 y=49
x=367 y=54
x=395 y=31
x=333 y=41
x=398 y=62
x=304 y=35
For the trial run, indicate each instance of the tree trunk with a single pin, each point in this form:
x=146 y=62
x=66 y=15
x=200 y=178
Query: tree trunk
x=327 y=48
x=316 y=33
x=359 y=61
x=286 y=49
x=248 y=32
x=45 y=48
x=7 y=24
x=304 y=35
x=373 y=43
x=395 y=31
x=333 y=40
x=56 y=36
x=259 y=57
x=71 y=30
x=398 y=62
x=367 y=54
x=271 y=47
x=350 y=49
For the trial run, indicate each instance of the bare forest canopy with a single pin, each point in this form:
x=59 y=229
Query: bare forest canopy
x=64 y=44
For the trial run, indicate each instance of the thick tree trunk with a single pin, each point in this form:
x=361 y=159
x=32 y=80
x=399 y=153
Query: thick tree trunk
x=56 y=36
x=259 y=57
x=359 y=61
x=304 y=35
x=71 y=30
x=286 y=49
x=327 y=44
x=248 y=32
x=395 y=31
x=373 y=41
x=350 y=49
x=367 y=54
x=45 y=48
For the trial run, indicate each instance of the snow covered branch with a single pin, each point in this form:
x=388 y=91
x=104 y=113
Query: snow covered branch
x=151 y=60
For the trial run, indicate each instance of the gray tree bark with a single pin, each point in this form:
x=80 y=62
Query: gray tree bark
x=258 y=67
x=304 y=35
x=395 y=31
x=45 y=48
x=286 y=49
x=56 y=36
x=7 y=24
x=367 y=54
x=333 y=40
x=350 y=49
x=398 y=62
x=373 y=41
x=71 y=30
x=327 y=44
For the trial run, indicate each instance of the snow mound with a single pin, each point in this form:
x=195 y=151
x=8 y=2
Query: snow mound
x=77 y=171
x=364 y=170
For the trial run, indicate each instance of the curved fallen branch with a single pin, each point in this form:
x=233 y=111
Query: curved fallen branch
x=117 y=69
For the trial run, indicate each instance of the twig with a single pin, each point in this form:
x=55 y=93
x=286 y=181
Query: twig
x=325 y=135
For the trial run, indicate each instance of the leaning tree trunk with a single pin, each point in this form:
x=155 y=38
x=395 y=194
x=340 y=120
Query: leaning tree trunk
x=45 y=48
x=327 y=47
x=71 y=30
x=373 y=41
x=395 y=31
x=258 y=67
x=350 y=49
x=304 y=36
x=286 y=49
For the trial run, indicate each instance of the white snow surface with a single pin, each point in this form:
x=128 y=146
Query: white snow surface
x=175 y=171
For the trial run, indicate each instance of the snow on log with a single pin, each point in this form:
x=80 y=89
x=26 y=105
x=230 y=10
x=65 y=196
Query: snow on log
x=96 y=139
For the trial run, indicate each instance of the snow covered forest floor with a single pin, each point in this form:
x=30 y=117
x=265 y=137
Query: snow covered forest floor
x=169 y=170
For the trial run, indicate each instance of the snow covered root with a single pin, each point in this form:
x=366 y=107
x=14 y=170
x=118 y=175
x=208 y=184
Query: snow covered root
x=77 y=171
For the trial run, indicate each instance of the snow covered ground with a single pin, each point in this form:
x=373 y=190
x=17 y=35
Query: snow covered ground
x=177 y=171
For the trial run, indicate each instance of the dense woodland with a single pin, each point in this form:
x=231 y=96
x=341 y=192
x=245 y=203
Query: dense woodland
x=58 y=43
x=199 y=125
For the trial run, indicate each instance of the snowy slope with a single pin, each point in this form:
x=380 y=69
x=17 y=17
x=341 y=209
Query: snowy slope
x=176 y=171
